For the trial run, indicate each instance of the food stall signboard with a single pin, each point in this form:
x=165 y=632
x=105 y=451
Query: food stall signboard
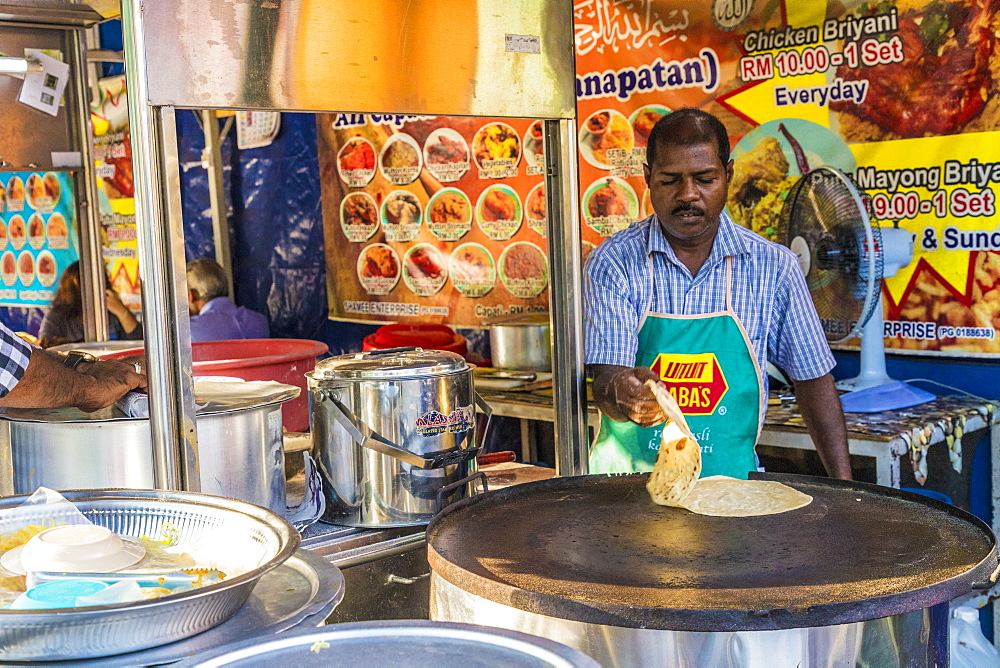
x=903 y=96
x=37 y=235
x=433 y=219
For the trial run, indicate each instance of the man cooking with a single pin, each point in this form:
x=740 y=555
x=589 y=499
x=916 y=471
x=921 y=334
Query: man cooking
x=689 y=298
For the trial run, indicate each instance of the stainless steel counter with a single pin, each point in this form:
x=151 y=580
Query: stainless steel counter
x=385 y=570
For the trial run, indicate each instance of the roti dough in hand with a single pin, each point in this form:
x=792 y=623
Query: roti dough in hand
x=722 y=496
x=678 y=463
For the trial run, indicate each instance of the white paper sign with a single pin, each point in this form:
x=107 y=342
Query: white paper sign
x=256 y=128
x=44 y=90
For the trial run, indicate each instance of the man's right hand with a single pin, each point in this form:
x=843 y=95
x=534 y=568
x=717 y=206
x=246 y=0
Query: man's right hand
x=621 y=394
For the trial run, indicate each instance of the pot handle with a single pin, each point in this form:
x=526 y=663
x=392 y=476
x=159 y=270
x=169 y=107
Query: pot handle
x=366 y=437
x=386 y=352
x=447 y=489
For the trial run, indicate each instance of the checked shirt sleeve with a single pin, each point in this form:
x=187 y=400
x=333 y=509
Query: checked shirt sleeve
x=611 y=318
x=14 y=355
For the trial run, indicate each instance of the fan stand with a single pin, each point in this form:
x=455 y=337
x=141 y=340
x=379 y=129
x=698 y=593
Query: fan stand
x=872 y=390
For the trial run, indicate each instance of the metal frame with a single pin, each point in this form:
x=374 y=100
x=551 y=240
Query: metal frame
x=160 y=229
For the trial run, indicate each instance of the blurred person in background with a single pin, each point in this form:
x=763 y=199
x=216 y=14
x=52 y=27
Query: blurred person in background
x=214 y=316
x=64 y=321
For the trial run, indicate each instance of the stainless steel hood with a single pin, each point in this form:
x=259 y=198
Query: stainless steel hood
x=49 y=14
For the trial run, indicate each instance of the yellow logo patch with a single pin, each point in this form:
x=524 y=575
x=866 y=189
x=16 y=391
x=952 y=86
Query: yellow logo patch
x=695 y=381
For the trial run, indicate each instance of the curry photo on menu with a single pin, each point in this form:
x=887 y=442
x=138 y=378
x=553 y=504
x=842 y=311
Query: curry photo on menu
x=947 y=82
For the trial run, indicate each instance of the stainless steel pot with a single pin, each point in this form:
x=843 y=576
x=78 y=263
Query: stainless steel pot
x=240 y=451
x=522 y=343
x=394 y=434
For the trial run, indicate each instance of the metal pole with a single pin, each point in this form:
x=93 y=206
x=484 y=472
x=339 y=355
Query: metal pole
x=92 y=272
x=566 y=299
x=164 y=290
x=212 y=159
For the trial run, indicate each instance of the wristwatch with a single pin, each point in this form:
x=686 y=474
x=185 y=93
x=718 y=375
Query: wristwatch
x=75 y=358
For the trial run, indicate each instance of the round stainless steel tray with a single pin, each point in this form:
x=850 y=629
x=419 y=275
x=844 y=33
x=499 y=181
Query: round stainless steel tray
x=300 y=593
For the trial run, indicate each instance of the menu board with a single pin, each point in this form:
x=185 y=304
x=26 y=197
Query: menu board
x=37 y=235
x=904 y=96
x=113 y=164
x=433 y=219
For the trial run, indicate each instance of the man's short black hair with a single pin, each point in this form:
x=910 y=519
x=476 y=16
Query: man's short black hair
x=685 y=127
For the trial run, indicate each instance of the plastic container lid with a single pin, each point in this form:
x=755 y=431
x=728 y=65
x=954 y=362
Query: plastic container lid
x=74 y=548
x=61 y=594
x=390 y=365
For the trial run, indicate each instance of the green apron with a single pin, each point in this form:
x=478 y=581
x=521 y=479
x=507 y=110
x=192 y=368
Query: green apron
x=707 y=363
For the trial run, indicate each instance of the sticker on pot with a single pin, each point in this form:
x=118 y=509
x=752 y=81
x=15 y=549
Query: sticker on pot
x=610 y=205
x=449 y=214
x=425 y=270
x=15 y=194
x=401 y=216
x=499 y=212
x=524 y=270
x=400 y=159
x=356 y=162
x=446 y=155
x=434 y=423
x=358 y=216
x=378 y=269
x=497 y=150
x=473 y=270
x=535 y=209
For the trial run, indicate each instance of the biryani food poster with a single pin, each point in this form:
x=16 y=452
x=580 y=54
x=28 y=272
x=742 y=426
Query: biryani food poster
x=37 y=235
x=904 y=96
x=113 y=164
x=433 y=219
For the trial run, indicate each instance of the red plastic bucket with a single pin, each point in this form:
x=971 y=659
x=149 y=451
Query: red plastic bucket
x=428 y=337
x=282 y=360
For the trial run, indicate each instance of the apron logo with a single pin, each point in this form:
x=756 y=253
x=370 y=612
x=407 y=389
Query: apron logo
x=695 y=381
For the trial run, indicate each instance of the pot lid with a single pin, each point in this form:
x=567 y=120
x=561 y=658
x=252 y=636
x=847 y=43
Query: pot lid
x=596 y=549
x=212 y=397
x=389 y=364
x=417 y=643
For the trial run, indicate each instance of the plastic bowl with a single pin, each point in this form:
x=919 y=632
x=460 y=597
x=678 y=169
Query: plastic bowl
x=74 y=548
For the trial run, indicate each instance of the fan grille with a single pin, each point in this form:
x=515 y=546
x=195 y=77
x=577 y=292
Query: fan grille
x=843 y=270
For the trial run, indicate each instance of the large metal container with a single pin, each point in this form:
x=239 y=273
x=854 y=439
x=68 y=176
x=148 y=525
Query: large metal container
x=394 y=434
x=240 y=451
x=860 y=576
x=523 y=343
x=414 y=643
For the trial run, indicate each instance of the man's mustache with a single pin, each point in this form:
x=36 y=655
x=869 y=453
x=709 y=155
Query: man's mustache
x=688 y=208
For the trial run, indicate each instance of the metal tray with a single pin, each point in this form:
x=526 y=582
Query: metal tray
x=300 y=593
x=243 y=538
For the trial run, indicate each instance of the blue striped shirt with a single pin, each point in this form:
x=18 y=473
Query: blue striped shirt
x=14 y=354
x=769 y=296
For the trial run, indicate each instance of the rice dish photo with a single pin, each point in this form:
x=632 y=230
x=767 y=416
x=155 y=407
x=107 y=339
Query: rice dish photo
x=36 y=231
x=15 y=190
x=56 y=227
x=36 y=191
x=759 y=186
x=643 y=121
x=400 y=153
x=8 y=268
x=472 y=263
x=46 y=269
x=15 y=230
x=604 y=131
x=426 y=270
x=496 y=141
x=536 y=203
x=26 y=268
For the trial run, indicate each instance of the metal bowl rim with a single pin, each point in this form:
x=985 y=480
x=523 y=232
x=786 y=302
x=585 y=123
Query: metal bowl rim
x=272 y=520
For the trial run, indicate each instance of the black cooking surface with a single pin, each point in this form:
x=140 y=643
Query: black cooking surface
x=595 y=548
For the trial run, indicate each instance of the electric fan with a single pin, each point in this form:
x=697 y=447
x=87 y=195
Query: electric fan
x=844 y=257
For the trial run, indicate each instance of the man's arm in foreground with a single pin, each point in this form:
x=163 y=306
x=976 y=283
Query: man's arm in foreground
x=47 y=383
x=824 y=417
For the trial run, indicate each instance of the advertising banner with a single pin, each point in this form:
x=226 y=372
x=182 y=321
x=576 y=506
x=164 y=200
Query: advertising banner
x=903 y=96
x=113 y=159
x=433 y=219
x=37 y=235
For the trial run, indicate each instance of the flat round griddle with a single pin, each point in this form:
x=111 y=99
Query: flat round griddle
x=596 y=549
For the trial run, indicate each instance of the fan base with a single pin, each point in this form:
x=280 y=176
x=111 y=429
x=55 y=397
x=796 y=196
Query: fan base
x=889 y=396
